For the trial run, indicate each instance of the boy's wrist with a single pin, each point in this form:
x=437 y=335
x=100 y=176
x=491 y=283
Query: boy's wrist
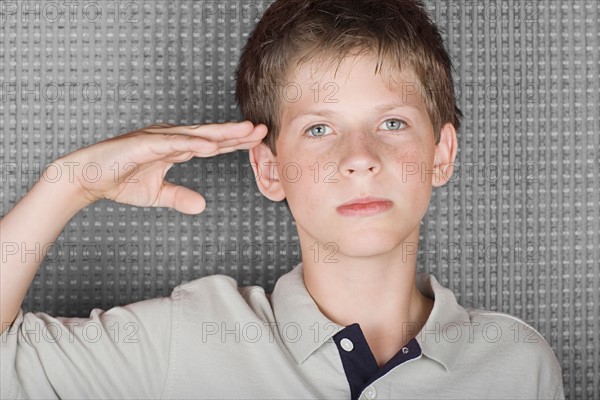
x=64 y=188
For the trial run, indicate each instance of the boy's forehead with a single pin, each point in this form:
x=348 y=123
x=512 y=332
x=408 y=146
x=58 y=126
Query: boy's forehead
x=352 y=76
x=320 y=68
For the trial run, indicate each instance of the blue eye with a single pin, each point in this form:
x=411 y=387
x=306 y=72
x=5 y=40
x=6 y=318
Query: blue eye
x=394 y=124
x=316 y=131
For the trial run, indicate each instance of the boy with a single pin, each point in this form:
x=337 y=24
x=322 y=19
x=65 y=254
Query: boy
x=373 y=105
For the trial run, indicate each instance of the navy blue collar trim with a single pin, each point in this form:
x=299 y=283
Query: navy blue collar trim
x=359 y=362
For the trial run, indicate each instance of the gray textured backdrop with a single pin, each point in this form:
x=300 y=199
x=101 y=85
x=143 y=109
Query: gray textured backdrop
x=517 y=230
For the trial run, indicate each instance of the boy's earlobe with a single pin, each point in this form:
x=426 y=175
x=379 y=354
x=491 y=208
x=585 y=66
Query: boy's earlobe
x=264 y=165
x=445 y=155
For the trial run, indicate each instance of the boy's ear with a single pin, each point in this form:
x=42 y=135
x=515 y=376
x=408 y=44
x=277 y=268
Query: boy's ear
x=264 y=166
x=445 y=154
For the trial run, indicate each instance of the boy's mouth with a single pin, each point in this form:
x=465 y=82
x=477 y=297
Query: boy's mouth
x=364 y=206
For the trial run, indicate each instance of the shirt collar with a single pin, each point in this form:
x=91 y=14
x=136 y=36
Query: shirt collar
x=448 y=327
x=304 y=328
x=301 y=324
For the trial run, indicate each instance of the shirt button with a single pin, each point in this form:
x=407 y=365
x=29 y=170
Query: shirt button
x=404 y=350
x=347 y=344
x=370 y=392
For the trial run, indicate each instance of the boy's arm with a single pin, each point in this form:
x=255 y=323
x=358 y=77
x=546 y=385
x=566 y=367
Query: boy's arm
x=26 y=231
x=119 y=353
x=42 y=356
x=142 y=159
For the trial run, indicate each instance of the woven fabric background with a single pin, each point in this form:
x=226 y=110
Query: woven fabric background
x=517 y=229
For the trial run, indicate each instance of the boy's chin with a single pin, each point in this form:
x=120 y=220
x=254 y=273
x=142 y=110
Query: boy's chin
x=369 y=246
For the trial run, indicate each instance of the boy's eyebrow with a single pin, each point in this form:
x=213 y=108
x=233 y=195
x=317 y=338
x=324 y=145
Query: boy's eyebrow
x=329 y=113
x=392 y=106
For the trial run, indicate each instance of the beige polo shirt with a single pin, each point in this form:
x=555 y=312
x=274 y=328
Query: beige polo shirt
x=212 y=339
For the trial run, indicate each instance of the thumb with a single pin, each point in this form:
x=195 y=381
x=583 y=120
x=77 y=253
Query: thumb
x=181 y=198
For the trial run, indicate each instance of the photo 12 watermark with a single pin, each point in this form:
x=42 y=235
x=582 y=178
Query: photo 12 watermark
x=480 y=252
x=488 y=11
x=62 y=92
x=226 y=11
x=68 y=171
x=60 y=252
x=85 y=332
x=69 y=11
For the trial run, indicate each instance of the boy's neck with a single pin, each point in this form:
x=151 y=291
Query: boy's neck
x=379 y=293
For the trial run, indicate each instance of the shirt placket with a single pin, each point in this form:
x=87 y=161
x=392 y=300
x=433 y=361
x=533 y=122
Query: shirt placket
x=360 y=366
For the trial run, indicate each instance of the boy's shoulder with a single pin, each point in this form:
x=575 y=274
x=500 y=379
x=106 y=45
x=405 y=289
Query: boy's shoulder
x=456 y=332
x=511 y=344
x=225 y=287
x=478 y=345
x=493 y=326
x=497 y=326
x=510 y=335
x=220 y=294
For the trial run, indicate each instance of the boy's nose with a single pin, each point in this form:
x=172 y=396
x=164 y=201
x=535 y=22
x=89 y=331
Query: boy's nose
x=360 y=157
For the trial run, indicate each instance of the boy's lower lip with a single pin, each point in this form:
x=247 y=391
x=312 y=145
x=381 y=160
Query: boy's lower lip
x=364 y=209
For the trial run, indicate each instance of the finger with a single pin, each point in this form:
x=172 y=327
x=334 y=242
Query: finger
x=206 y=148
x=179 y=157
x=216 y=132
x=162 y=125
x=181 y=198
x=151 y=147
x=224 y=150
x=257 y=135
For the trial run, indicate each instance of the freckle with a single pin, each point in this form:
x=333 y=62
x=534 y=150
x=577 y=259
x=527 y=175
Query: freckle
x=405 y=155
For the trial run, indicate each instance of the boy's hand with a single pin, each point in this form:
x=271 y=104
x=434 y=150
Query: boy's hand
x=131 y=168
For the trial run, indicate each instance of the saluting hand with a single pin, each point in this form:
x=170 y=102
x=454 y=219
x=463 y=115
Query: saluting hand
x=131 y=168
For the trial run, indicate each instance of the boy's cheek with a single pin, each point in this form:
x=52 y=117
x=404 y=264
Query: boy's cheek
x=297 y=172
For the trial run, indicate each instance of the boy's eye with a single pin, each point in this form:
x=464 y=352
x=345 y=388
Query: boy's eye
x=393 y=124
x=317 y=131
x=320 y=130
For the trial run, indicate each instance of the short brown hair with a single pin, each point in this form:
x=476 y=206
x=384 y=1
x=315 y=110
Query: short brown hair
x=292 y=32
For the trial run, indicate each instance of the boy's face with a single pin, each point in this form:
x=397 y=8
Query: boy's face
x=367 y=141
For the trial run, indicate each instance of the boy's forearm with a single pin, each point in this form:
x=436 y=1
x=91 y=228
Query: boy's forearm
x=26 y=233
